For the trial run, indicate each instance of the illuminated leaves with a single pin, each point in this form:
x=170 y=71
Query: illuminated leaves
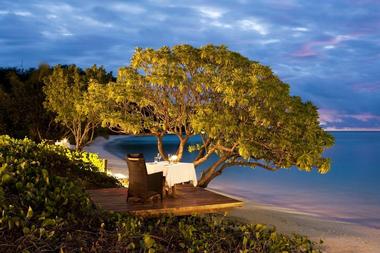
x=245 y=110
x=74 y=104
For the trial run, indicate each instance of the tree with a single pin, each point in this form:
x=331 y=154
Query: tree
x=68 y=97
x=244 y=112
x=21 y=104
x=157 y=94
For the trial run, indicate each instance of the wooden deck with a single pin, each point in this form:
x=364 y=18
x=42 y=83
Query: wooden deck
x=188 y=200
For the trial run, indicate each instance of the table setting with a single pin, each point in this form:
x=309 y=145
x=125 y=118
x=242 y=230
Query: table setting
x=174 y=172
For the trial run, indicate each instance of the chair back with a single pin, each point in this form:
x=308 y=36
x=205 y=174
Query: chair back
x=138 y=176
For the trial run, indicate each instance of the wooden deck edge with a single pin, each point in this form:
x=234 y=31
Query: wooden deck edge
x=187 y=210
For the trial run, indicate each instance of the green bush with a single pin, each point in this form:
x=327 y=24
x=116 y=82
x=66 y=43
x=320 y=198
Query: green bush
x=82 y=167
x=44 y=207
x=90 y=161
x=42 y=189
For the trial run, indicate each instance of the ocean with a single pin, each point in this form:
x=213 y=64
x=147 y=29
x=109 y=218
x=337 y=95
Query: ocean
x=349 y=192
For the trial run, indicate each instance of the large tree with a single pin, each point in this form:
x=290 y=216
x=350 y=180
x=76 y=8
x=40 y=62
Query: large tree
x=157 y=94
x=243 y=111
x=67 y=96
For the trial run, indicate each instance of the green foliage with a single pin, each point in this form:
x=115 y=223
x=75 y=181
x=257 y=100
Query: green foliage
x=84 y=168
x=206 y=233
x=66 y=91
x=158 y=93
x=89 y=161
x=42 y=189
x=43 y=207
x=246 y=112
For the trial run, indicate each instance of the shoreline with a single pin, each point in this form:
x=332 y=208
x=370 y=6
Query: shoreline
x=338 y=236
x=115 y=165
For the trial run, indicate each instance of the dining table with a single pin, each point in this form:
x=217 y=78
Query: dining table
x=174 y=173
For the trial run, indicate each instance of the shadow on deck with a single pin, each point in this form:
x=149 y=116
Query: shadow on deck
x=188 y=200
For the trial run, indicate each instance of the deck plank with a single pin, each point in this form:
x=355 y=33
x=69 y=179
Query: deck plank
x=188 y=200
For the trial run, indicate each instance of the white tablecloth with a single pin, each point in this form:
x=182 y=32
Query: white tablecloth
x=174 y=173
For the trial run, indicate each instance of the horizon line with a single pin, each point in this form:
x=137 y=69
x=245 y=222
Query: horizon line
x=354 y=129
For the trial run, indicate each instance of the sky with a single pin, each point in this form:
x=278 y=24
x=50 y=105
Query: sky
x=328 y=51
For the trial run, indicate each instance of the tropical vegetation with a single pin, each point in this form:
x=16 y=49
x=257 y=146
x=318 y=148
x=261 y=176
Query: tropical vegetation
x=67 y=97
x=243 y=111
x=44 y=207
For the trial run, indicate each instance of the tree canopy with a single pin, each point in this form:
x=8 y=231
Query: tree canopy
x=157 y=94
x=67 y=95
x=242 y=109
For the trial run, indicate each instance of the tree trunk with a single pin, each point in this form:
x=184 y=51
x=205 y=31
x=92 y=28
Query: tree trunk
x=160 y=147
x=211 y=172
x=78 y=144
x=181 y=147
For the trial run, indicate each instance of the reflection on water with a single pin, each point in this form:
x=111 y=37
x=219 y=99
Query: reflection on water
x=349 y=192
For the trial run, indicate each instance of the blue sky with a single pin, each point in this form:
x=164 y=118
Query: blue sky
x=327 y=50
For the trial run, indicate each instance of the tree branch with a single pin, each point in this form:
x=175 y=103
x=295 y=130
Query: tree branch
x=223 y=148
x=203 y=150
x=205 y=157
x=250 y=164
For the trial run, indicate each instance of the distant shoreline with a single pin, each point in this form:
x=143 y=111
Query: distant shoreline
x=352 y=130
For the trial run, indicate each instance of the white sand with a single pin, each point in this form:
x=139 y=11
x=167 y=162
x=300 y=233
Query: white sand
x=338 y=237
x=116 y=166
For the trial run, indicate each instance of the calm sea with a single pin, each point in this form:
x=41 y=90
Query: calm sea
x=349 y=192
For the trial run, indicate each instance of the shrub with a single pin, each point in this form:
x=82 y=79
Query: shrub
x=42 y=189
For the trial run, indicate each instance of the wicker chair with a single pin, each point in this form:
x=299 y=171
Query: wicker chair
x=141 y=184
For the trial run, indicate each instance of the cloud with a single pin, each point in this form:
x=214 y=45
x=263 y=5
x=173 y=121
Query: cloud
x=311 y=48
x=60 y=32
x=330 y=118
x=129 y=8
x=350 y=129
x=253 y=24
x=219 y=24
x=367 y=87
x=93 y=22
x=58 y=7
x=23 y=13
x=17 y=13
x=365 y=117
x=300 y=29
x=210 y=12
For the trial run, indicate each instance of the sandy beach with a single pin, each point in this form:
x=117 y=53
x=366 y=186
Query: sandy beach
x=116 y=166
x=338 y=237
